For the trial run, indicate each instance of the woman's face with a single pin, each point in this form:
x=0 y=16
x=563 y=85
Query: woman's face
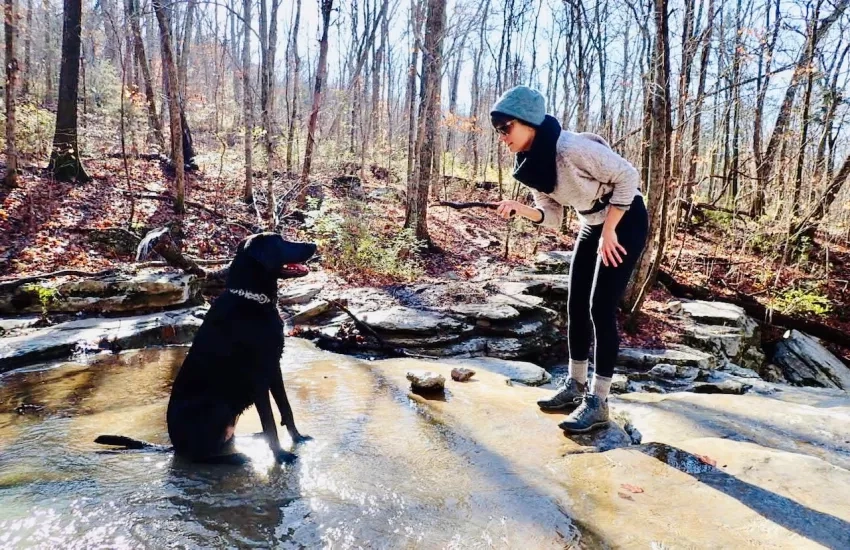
x=516 y=136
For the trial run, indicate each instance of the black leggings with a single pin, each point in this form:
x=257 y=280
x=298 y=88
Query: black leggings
x=596 y=290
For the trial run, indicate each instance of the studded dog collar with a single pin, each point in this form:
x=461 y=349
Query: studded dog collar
x=253 y=296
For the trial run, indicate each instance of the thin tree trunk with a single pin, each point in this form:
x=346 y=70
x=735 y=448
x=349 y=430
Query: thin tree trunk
x=819 y=29
x=268 y=48
x=377 y=64
x=48 y=53
x=429 y=118
x=416 y=26
x=247 y=102
x=321 y=74
x=170 y=70
x=296 y=63
x=27 y=73
x=810 y=222
x=183 y=57
x=804 y=135
x=832 y=95
x=10 y=24
x=141 y=57
x=757 y=207
x=235 y=56
x=696 y=133
x=659 y=145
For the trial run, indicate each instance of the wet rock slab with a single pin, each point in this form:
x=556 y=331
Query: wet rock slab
x=63 y=339
x=122 y=292
x=805 y=362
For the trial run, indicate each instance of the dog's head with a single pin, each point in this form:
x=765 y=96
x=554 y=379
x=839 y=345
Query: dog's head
x=276 y=256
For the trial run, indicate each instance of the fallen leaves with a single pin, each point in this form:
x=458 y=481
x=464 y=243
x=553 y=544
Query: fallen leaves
x=629 y=488
x=707 y=460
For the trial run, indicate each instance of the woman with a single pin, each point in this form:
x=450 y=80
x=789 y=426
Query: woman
x=580 y=170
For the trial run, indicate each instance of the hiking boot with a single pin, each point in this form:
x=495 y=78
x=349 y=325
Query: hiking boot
x=567 y=399
x=591 y=414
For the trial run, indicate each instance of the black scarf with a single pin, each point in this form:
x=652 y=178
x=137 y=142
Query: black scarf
x=536 y=167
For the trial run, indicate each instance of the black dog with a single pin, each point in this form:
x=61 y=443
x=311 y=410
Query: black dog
x=234 y=360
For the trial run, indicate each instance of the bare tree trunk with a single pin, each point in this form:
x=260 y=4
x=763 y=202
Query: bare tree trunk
x=453 y=92
x=141 y=57
x=27 y=73
x=235 y=56
x=321 y=74
x=696 y=132
x=268 y=49
x=818 y=30
x=429 y=118
x=247 y=103
x=183 y=56
x=296 y=63
x=112 y=41
x=416 y=10
x=170 y=69
x=807 y=101
x=377 y=63
x=757 y=207
x=810 y=222
x=601 y=44
x=10 y=24
x=831 y=99
x=659 y=145
x=734 y=169
x=65 y=158
x=688 y=49
x=48 y=52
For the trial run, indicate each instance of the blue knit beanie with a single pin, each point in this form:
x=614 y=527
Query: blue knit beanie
x=523 y=103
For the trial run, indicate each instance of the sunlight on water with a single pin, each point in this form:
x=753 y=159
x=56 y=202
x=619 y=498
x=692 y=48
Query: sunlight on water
x=380 y=472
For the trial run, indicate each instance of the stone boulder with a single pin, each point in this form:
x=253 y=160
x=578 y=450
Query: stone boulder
x=426 y=381
x=722 y=329
x=515 y=371
x=462 y=374
x=298 y=294
x=66 y=339
x=805 y=362
x=555 y=261
x=732 y=387
x=117 y=293
x=408 y=320
x=448 y=319
x=645 y=359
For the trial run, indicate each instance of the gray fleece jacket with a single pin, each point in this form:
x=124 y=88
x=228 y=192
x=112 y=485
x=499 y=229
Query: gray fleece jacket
x=590 y=174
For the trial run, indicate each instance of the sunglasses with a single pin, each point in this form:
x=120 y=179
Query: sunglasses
x=505 y=128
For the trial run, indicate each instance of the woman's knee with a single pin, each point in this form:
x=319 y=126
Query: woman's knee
x=603 y=310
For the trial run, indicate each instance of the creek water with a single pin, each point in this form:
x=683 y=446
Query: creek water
x=384 y=470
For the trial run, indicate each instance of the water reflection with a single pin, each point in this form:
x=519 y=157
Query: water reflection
x=382 y=471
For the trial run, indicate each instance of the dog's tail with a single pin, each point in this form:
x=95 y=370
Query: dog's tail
x=129 y=443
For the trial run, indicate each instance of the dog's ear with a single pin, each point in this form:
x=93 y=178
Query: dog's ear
x=266 y=249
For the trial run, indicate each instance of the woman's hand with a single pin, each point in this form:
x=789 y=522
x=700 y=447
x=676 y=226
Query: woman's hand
x=610 y=248
x=508 y=209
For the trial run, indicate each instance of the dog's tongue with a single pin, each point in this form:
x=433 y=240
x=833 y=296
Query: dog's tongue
x=295 y=268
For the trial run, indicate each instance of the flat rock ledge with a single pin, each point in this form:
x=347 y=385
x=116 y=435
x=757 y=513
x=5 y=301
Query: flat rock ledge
x=121 y=292
x=511 y=319
x=98 y=334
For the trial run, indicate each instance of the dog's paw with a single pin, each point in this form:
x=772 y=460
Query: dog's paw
x=285 y=457
x=301 y=438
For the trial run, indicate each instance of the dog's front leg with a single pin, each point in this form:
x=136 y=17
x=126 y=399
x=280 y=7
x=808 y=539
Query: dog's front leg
x=264 y=409
x=286 y=417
